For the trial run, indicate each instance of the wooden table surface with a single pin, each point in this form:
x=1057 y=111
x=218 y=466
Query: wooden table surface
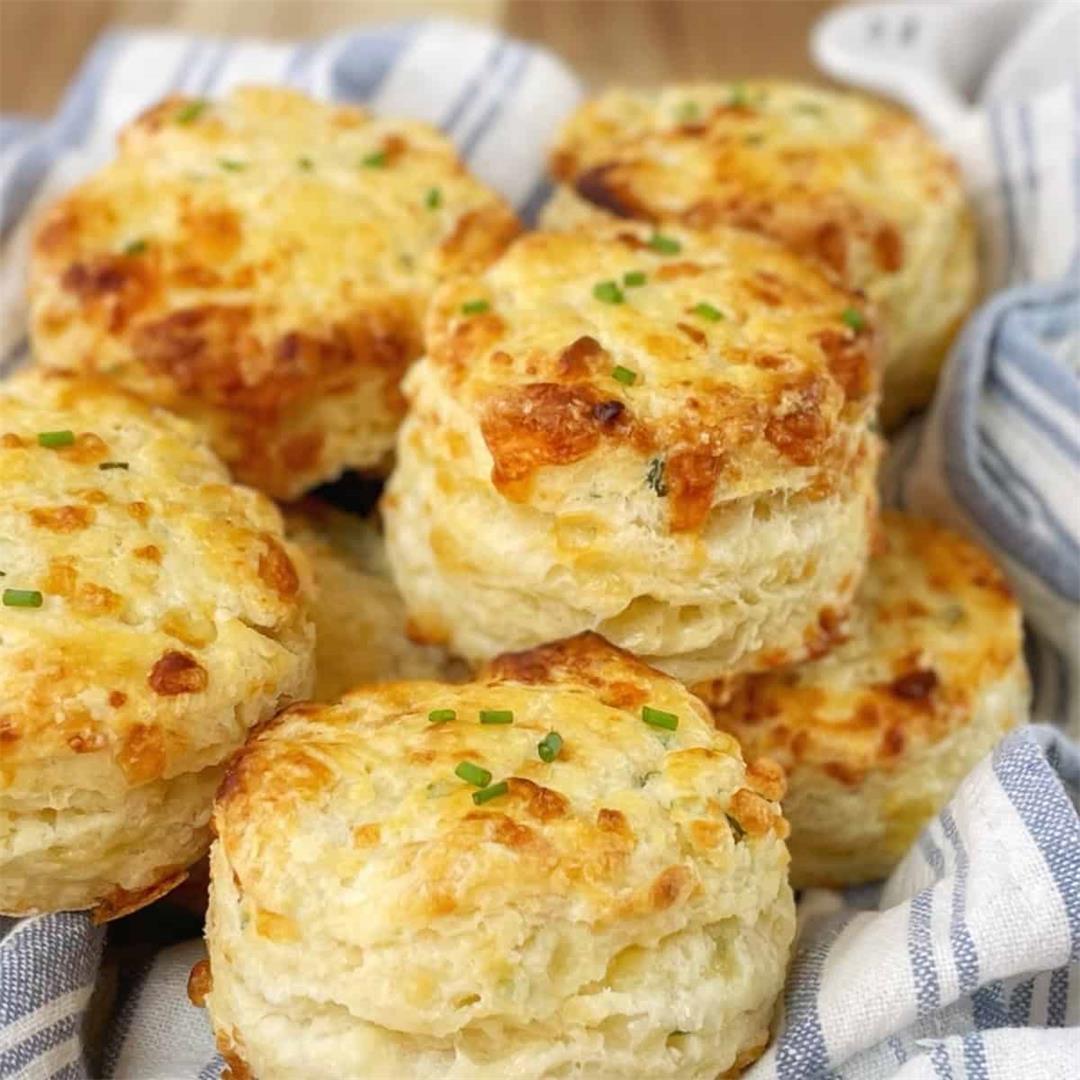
x=640 y=41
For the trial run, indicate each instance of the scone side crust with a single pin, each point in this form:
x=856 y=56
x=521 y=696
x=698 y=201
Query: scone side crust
x=934 y=626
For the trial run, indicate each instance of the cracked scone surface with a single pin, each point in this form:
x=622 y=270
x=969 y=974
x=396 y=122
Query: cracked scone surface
x=877 y=734
x=621 y=911
x=261 y=264
x=171 y=619
x=683 y=463
x=361 y=627
x=837 y=176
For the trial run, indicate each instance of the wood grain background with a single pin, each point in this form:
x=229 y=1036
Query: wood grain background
x=640 y=41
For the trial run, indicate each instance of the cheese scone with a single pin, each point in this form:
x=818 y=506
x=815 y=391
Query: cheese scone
x=665 y=438
x=877 y=734
x=839 y=176
x=560 y=869
x=261 y=265
x=152 y=613
x=360 y=621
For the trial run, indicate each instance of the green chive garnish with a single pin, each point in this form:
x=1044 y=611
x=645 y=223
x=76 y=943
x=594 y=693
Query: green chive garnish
x=136 y=247
x=53 y=439
x=666 y=245
x=191 y=112
x=305 y=163
x=634 y=277
x=688 y=111
x=608 y=291
x=232 y=165
x=489 y=793
x=441 y=716
x=739 y=95
x=655 y=477
x=854 y=318
x=549 y=746
x=475 y=307
x=22 y=598
x=623 y=375
x=376 y=160
x=659 y=718
x=496 y=716
x=473 y=774
x=113 y=465
x=433 y=199
x=707 y=311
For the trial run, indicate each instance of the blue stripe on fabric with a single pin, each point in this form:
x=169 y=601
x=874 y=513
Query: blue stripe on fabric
x=1057 y=1002
x=15 y=129
x=1002 y=489
x=213 y=1069
x=1005 y=385
x=124 y=1014
x=939 y=1058
x=1018 y=482
x=367 y=58
x=296 y=68
x=921 y=953
x=1020 y=1003
x=16 y=1058
x=989 y=1008
x=219 y=52
x=975 y=1064
x=897 y=1047
x=515 y=72
x=535 y=200
x=801 y=1050
x=1050 y=819
x=490 y=62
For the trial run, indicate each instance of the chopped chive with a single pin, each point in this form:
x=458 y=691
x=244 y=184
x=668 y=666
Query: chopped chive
x=496 y=716
x=666 y=245
x=136 y=247
x=191 y=112
x=113 y=465
x=305 y=163
x=473 y=774
x=755 y=138
x=634 y=277
x=707 y=311
x=433 y=199
x=475 y=307
x=377 y=160
x=549 y=746
x=659 y=718
x=54 y=439
x=608 y=291
x=740 y=97
x=654 y=478
x=853 y=318
x=441 y=716
x=810 y=107
x=688 y=111
x=623 y=375
x=489 y=793
x=22 y=598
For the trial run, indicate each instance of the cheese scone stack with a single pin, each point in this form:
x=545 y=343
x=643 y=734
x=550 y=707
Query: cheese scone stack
x=261 y=264
x=877 y=734
x=835 y=176
x=662 y=437
x=152 y=613
x=559 y=869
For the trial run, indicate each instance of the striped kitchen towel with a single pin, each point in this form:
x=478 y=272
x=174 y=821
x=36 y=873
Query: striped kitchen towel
x=964 y=964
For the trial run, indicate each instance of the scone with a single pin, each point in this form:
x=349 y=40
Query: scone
x=261 y=265
x=360 y=622
x=559 y=869
x=664 y=438
x=152 y=613
x=838 y=176
x=877 y=734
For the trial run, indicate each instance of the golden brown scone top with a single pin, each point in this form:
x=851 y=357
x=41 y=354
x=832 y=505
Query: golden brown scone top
x=168 y=596
x=839 y=176
x=726 y=359
x=254 y=253
x=621 y=825
x=935 y=627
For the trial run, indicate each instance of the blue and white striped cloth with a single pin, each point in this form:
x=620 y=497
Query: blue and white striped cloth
x=966 y=963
